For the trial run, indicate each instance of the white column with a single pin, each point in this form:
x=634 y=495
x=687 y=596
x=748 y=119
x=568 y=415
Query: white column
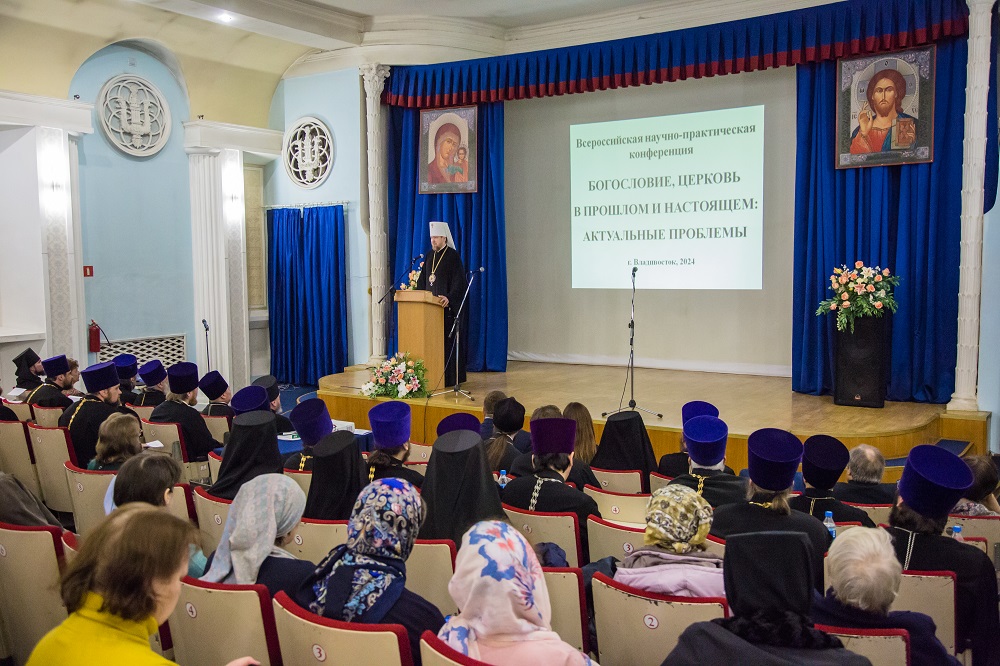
x=208 y=245
x=374 y=79
x=973 y=175
x=234 y=220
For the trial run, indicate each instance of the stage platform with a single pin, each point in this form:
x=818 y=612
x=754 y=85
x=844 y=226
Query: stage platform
x=746 y=403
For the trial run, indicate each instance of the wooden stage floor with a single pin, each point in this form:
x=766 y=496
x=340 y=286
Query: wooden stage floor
x=745 y=402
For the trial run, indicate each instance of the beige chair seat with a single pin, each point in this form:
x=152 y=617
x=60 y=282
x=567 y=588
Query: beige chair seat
x=629 y=508
x=657 y=480
x=87 y=489
x=420 y=453
x=884 y=647
x=307 y=639
x=47 y=417
x=16 y=457
x=21 y=409
x=435 y=652
x=879 y=513
x=313 y=539
x=931 y=593
x=52 y=449
x=559 y=528
x=429 y=570
x=619 y=481
x=212 y=513
x=214 y=465
x=215 y=624
x=987 y=527
x=303 y=478
x=218 y=426
x=569 y=605
x=172 y=438
x=610 y=539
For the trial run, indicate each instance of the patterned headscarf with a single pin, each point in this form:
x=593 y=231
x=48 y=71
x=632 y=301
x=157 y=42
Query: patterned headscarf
x=361 y=580
x=265 y=508
x=499 y=586
x=677 y=519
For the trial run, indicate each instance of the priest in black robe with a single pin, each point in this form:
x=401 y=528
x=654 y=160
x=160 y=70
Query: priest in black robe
x=57 y=379
x=29 y=366
x=154 y=376
x=706 y=438
x=84 y=418
x=216 y=389
x=128 y=368
x=444 y=276
x=179 y=408
x=823 y=461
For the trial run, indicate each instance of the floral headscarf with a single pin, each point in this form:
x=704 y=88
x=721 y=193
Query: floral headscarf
x=265 y=508
x=499 y=586
x=361 y=580
x=677 y=519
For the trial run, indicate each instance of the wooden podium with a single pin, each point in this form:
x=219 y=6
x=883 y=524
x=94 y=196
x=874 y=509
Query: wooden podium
x=421 y=330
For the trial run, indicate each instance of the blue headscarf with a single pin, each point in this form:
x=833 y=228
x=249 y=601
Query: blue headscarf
x=361 y=580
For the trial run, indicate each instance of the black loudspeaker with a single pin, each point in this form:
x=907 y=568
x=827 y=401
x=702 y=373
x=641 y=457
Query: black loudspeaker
x=862 y=363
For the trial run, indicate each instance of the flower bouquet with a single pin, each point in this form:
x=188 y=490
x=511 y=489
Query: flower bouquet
x=861 y=291
x=397 y=377
x=412 y=279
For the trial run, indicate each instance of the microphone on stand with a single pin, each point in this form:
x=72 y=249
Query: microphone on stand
x=478 y=270
x=208 y=351
x=205 y=324
x=635 y=269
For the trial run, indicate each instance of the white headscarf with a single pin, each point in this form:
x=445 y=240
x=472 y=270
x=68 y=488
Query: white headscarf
x=442 y=229
x=265 y=508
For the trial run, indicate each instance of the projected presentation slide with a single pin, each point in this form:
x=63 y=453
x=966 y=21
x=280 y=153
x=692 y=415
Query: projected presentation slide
x=678 y=197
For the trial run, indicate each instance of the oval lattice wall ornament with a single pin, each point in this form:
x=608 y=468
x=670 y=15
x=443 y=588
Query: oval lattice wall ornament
x=134 y=115
x=308 y=152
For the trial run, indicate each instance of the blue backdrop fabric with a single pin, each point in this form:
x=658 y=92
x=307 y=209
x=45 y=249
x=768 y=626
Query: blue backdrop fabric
x=905 y=218
x=801 y=36
x=307 y=293
x=477 y=223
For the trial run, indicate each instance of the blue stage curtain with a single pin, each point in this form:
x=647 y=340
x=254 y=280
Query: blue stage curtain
x=477 y=224
x=801 y=36
x=905 y=218
x=307 y=293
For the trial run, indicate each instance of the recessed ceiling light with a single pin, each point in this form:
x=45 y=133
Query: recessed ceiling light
x=225 y=18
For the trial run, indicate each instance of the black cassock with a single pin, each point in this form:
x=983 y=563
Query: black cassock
x=449 y=281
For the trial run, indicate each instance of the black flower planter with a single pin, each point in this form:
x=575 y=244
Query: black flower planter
x=861 y=363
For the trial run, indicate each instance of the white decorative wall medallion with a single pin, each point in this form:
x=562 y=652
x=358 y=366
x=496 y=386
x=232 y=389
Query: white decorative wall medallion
x=308 y=152
x=134 y=115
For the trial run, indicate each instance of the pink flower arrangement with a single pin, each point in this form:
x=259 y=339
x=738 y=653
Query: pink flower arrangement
x=397 y=377
x=862 y=291
x=411 y=279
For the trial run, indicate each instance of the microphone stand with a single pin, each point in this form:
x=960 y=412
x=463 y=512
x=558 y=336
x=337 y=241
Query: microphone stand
x=456 y=330
x=392 y=290
x=630 y=371
x=208 y=352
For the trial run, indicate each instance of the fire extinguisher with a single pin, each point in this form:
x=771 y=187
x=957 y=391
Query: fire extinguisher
x=94 y=336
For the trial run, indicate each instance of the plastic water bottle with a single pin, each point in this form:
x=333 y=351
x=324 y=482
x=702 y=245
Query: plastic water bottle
x=830 y=525
x=504 y=479
x=956 y=533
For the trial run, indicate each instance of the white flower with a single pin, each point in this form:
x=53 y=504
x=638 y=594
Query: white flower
x=401 y=367
x=368 y=389
x=402 y=389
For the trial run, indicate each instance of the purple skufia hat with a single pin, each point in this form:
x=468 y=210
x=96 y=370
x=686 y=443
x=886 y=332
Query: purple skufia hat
x=250 y=399
x=56 y=365
x=823 y=461
x=555 y=435
x=152 y=372
x=698 y=408
x=213 y=384
x=310 y=419
x=100 y=376
x=458 y=421
x=182 y=377
x=933 y=480
x=706 y=440
x=390 y=422
x=773 y=457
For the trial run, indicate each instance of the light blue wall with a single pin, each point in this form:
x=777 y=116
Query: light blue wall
x=337 y=99
x=989 y=326
x=136 y=214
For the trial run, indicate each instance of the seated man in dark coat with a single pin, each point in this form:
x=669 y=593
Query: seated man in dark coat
x=154 y=376
x=864 y=479
x=57 y=380
x=179 y=408
x=312 y=423
x=773 y=455
x=933 y=480
x=29 y=366
x=270 y=384
x=769 y=588
x=84 y=417
x=864 y=579
x=823 y=461
x=390 y=422
x=127 y=366
x=676 y=464
x=552 y=442
x=216 y=389
x=706 y=438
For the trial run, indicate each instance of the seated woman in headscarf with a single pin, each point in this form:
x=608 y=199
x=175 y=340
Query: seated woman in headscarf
x=252 y=451
x=674 y=560
x=338 y=470
x=625 y=445
x=364 y=579
x=260 y=522
x=864 y=579
x=769 y=588
x=19 y=507
x=458 y=488
x=506 y=613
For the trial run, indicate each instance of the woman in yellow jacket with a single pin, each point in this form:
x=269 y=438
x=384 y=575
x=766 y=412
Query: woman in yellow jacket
x=120 y=587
